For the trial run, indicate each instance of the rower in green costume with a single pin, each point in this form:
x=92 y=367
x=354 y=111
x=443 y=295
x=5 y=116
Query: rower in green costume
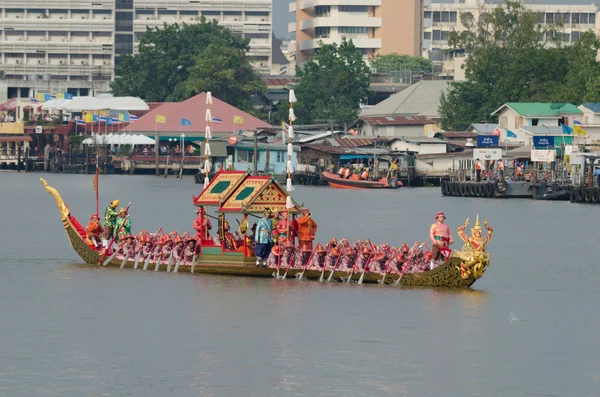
x=124 y=220
x=110 y=218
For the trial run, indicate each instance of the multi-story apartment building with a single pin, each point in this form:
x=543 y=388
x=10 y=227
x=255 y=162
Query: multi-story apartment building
x=442 y=18
x=67 y=46
x=375 y=26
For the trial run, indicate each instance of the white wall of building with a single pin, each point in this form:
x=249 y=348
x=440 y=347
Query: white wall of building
x=418 y=147
x=440 y=165
x=413 y=131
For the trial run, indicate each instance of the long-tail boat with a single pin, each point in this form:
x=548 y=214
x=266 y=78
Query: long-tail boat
x=239 y=193
x=354 y=182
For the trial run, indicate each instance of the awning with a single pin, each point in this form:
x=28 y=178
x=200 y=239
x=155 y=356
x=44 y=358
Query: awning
x=118 y=139
x=21 y=138
x=356 y=156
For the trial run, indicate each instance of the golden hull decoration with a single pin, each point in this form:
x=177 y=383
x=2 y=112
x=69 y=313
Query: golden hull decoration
x=451 y=274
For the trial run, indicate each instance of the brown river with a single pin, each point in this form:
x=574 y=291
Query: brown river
x=529 y=327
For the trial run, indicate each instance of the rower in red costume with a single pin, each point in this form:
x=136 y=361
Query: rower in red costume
x=282 y=228
x=307 y=228
x=230 y=242
x=93 y=231
x=199 y=222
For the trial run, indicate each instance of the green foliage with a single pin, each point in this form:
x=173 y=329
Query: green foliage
x=176 y=62
x=514 y=59
x=394 y=61
x=331 y=86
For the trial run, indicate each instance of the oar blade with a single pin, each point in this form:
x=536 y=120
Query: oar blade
x=110 y=258
x=146 y=263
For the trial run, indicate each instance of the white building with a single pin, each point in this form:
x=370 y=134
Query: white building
x=375 y=26
x=591 y=122
x=63 y=46
x=439 y=19
x=419 y=145
x=514 y=115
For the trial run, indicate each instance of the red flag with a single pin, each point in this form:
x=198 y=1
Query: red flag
x=96 y=181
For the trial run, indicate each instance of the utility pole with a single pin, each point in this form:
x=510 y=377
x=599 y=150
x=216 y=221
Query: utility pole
x=254 y=170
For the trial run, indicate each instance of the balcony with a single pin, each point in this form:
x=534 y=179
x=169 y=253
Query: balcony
x=358 y=42
x=304 y=4
x=292 y=27
x=341 y=20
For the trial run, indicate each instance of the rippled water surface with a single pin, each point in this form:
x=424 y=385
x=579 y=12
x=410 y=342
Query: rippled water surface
x=530 y=327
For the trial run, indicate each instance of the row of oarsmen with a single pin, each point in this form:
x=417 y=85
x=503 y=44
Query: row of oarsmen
x=179 y=249
x=358 y=257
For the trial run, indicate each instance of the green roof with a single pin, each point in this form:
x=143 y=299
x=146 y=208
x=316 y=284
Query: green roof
x=540 y=109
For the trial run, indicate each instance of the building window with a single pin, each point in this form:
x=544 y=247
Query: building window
x=352 y=29
x=574 y=36
x=124 y=4
x=592 y=19
x=427 y=15
x=583 y=18
x=445 y=16
x=124 y=21
x=436 y=17
x=353 y=8
x=427 y=35
x=322 y=11
x=575 y=18
x=322 y=32
x=549 y=17
x=566 y=17
x=281 y=157
x=437 y=35
x=245 y=156
x=453 y=16
x=123 y=44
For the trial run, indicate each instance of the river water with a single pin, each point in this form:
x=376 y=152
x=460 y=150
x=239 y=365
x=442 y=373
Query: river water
x=529 y=327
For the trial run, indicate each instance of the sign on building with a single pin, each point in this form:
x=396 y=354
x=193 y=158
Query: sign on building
x=543 y=141
x=577 y=158
x=487 y=154
x=38 y=129
x=487 y=141
x=543 y=156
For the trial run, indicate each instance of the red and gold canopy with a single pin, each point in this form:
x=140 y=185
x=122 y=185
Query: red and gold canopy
x=255 y=194
x=219 y=189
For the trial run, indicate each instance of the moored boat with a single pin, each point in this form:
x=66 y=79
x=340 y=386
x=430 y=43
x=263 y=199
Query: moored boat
x=243 y=194
x=354 y=182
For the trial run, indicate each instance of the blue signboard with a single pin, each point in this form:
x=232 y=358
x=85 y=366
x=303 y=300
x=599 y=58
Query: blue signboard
x=487 y=141
x=543 y=141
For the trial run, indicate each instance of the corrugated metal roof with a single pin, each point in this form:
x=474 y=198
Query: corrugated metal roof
x=593 y=107
x=456 y=135
x=420 y=99
x=540 y=109
x=396 y=120
x=422 y=140
x=352 y=142
x=540 y=130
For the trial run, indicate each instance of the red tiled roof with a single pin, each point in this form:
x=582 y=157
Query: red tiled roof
x=352 y=142
x=458 y=135
x=194 y=109
x=326 y=148
x=397 y=120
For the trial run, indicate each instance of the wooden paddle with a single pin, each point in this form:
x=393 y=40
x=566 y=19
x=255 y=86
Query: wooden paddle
x=321 y=279
x=114 y=237
x=291 y=262
x=276 y=275
x=307 y=263
x=182 y=253
x=338 y=260
x=356 y=260
x=408 y=261
x=387 y=267
x=362 y=276
x=110 y=258
x=147 y=261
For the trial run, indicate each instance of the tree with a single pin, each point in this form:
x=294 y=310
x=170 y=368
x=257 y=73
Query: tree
x=178 y=61
x=582 y=83
x=511 y=58
x=394 y=61
x=332 y=85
